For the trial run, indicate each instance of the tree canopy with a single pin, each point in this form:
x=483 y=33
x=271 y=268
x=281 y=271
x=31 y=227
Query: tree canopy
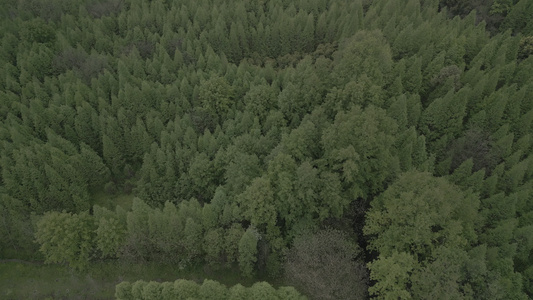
x=233 y=134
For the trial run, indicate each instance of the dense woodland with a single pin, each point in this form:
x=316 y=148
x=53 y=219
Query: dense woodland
x=351 y=149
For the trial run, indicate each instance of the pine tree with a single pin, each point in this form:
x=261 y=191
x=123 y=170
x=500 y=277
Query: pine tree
x=444 y=116
x=398 y=111
x=463 y=172
x=412 y=81
x=308 y=35
x=113 y=156
x=94 y=171
x=321 y=29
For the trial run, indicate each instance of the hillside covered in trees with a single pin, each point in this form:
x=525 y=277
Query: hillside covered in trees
x=345 y=149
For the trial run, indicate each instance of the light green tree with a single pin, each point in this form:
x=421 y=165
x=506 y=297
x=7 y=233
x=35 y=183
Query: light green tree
x=248 y=252
x=186 y=289
x=417 y=225
x=65 y=237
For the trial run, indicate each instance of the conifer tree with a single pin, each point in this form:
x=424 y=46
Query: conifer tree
x=412 y=80
x=112 y=155
x=94 y=171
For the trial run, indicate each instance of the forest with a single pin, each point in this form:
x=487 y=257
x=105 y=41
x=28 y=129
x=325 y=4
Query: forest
x=318 y=149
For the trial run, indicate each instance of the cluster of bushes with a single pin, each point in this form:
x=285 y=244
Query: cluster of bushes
x=208 y=290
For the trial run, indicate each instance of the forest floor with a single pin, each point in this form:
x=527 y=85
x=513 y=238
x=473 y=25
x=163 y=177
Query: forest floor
x=34 y=280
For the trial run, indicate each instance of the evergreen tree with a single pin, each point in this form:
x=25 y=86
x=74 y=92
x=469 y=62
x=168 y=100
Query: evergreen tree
x=112 y=156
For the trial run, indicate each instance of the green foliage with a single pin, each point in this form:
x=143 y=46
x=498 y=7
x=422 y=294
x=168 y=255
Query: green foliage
x=417 y=219
x=358 y=147
x=214 y=246
x=238 y=292
x=263 y=290
x=96 y=172
x=137 y=239
x=258 y=203
x=65 y=237
x=526 y=47
x=285 y=117
x=517 y=18
x=215 y=96
x=212 y=290
x=367 y=52
x=186 y=289
x=109 y=236
x=209 y=289
x=233 y=236
x=37 y=30
x=248 y=252
x=123 y=291
x=193 y=233
x=392 y=275
x=423 y=212
x=152 y=290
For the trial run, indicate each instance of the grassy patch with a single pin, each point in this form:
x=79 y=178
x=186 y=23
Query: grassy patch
x=34 y=281
x=24 y=281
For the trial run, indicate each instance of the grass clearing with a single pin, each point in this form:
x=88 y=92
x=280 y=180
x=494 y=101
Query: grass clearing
x=20 y=280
